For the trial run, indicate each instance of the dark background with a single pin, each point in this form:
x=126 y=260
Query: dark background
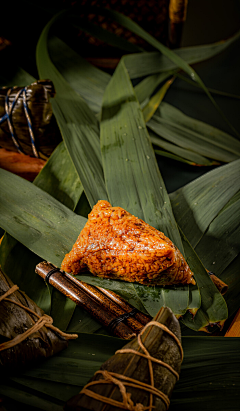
x=207 y=22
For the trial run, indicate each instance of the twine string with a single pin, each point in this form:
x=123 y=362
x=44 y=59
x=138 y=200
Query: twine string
x=44 y=320
x=122 y=381
x=8 y=117
x=122 y=318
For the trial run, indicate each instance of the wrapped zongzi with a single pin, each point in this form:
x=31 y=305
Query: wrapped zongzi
x=27 y=124
x=115 y=244
x=141 y=376
x=26 y=333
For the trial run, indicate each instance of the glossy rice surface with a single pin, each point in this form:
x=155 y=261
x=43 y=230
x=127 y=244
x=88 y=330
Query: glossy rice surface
x=115 y=244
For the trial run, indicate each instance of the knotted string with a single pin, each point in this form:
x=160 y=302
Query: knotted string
x=44 y=320
x=8 y=117
x=121 y=380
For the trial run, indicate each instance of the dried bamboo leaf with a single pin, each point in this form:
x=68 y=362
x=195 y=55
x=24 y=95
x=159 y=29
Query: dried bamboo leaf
x=16 y=320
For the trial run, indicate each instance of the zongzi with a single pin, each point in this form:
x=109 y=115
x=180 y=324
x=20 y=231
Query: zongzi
x=27 y=124
x=140 y=376
x=26 y=333
x=115 y=244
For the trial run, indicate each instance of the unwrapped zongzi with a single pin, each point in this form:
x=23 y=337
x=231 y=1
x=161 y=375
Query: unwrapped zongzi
x=115 y=244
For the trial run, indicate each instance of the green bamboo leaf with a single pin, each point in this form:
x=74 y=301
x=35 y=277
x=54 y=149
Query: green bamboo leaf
x=36 y=219
x=167 y=154
x=146 y=87
x=178 y=153
x=219 y=250
x=192 y=141
x=50 y=389
x=201 y=382
x=197 y=204
x=175 y=58
x=58 y=178
x=19 y=264
x=220 y=244
x=87 y=80
x=142 y=64
x=129 y=164
x=49 y=229
x=128 y=158
x=213 y=306
x=123 y=288
x=170 y=115
x=83 y=322
x=78 y=125
x=152 y=105
x=22 y=396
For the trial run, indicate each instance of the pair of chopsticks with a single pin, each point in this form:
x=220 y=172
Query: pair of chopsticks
x=108 y=308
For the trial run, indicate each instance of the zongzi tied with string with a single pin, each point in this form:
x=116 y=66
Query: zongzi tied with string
x=26 y=333
x=140 y=376
x=115 y=244
x=27 y=124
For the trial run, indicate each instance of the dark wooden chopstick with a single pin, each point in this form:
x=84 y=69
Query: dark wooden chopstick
x=109 y=311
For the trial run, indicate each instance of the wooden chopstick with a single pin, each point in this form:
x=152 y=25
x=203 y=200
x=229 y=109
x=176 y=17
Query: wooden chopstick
x=94 y=301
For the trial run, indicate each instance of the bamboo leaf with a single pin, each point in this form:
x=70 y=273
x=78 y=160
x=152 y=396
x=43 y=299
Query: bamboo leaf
x=142 y=64
x=170 y=115
x=220 y=244
x=128 y=158
x=192 y=141
x=178 y=153
x=199 y=202
x=175 y=58
x=49 y=229
x=78 y=125
x=149 y=84
x=58 y=178
x=87 y=80
x=90 y=83
x=202 y=380
x=152 y=105
x=19 y=394
x=167 y=154
x=36 y=219
x=129 y=164
x=213 y=306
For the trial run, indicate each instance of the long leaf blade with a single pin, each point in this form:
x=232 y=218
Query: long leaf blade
x=77 y=123
x=129 y=164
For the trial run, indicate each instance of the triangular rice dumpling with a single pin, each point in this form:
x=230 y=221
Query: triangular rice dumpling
x=19 y=316
x=117 y=245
